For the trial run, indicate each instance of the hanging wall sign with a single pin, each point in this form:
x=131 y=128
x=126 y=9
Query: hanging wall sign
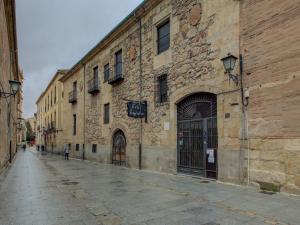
x=137 y=109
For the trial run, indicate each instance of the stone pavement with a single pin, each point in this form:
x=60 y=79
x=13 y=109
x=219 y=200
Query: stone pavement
x=46 y=190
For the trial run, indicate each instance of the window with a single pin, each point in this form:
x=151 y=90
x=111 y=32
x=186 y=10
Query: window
x=163 y=37
x=162 y=88
x=74 y=124
x=75 y=86
x=55 y=95
x=77 y=147
x=94 y=148
x=95 y=74
x=106 y=113
x=118 y=58
x=69 y=146
x=106 y=72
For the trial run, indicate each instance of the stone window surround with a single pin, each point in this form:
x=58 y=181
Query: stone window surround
x=164 y=57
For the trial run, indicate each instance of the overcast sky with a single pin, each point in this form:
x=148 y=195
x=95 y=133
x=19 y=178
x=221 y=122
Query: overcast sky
x=55 y=34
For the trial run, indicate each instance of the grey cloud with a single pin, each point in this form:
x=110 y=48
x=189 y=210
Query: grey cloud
x=54 y=34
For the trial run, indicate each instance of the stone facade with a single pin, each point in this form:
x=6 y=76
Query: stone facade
x=49 y=115
x=192 y=65
x=258 y=136
x=270 y=45
x=9 y=70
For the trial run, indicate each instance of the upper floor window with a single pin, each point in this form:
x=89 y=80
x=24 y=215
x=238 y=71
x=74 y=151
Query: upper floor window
x=55 y=95
x=118 y=58
x=163 y=37
x=162 y=88
x=106 y=113
x=75 y=86
x=95 y=74
x=106 y=72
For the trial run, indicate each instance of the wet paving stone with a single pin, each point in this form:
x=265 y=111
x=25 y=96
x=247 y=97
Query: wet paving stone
x=46 y=190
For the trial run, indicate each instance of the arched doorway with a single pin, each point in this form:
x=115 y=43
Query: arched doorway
x=197 y=137
x=119 y=148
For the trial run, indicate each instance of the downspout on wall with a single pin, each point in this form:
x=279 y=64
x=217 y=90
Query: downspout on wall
x=140 y=94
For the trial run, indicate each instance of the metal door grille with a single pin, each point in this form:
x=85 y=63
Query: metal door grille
x=119 y=149
x=197 y=132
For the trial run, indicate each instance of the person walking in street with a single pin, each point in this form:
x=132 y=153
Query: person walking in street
x=24 y=147
x=66 y=151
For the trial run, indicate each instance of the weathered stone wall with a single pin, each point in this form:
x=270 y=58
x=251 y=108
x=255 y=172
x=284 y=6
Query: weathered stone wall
x=201 y=34
x=8 y=122
x=270 y=35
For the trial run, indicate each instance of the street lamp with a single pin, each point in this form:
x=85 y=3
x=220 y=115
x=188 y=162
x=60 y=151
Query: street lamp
x=229 y=63
x=14 y=86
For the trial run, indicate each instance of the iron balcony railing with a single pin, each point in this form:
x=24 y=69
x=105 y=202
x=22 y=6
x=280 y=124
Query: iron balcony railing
x=93 y=86
x=73 y=96
x=116 y=75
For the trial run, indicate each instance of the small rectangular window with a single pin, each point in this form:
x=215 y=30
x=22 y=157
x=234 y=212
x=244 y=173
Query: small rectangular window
x=69 y=146
x=118 y=68
x=74 y=124
x=75 y=86
x=94 y=148
x=162 y=88
x=106 y=72
x=106 y=113
x=77 y=147
x=95 y=74
x=163 y=37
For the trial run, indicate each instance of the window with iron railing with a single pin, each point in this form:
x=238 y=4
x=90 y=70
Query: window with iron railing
x=163 y=37
x=162 y=88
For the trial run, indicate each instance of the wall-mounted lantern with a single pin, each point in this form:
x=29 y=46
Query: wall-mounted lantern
x=229 y=63
x=14 y=86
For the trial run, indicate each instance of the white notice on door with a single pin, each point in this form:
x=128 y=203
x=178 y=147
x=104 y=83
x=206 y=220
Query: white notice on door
x=211 y=157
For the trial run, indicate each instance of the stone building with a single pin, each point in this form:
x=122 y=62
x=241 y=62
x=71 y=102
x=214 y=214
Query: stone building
x=9 y=71
x=167 y=55
x=49 y=115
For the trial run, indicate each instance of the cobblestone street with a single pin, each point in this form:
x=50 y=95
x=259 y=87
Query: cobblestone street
x=44 y=190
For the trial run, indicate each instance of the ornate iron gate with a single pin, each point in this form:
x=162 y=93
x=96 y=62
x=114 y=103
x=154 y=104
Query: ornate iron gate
x=119 y=148
x=197 y=138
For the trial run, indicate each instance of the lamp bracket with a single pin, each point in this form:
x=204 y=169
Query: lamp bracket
x=234 y=78
x=6 y=94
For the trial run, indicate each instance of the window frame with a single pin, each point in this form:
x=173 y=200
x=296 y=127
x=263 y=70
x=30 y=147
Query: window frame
x=162 y=88
x=119 y=61
x=168 y=35
x=106 y=113
x=106 y=72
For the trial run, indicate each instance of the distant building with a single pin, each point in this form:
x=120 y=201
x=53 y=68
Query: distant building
x=49 y=115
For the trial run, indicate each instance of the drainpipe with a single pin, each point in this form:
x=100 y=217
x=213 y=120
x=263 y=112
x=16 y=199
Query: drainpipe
x=83 y=147
x=140 y=94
